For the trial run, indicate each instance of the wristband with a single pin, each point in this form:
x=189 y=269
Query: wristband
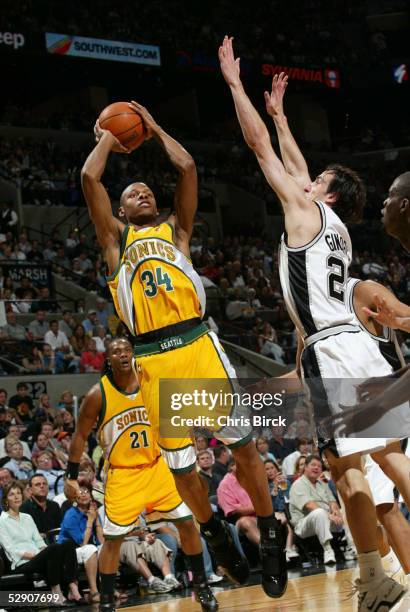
x=72 y=470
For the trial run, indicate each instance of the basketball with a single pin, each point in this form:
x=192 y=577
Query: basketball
x=124 y=123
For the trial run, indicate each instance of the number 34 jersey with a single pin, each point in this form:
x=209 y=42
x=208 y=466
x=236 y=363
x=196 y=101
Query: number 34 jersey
x=124 y=431
x=314 y=277
x=154 y=285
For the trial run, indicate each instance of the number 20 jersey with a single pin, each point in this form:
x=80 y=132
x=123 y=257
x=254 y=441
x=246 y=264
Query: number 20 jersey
x=154 y=285
x=313 y=277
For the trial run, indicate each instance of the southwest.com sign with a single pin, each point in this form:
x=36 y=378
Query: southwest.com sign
x=97 y=48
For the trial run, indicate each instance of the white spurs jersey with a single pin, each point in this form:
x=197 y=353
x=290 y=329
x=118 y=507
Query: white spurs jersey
x=387 y=343
x=313 y=277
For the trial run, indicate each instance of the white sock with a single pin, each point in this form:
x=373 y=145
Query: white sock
x=169 y=576
x=370 y=566
x=390 y=562
x=151 y=579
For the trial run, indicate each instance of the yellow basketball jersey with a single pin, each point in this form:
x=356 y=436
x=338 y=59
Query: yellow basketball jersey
x=154 y=285
x=125 y=433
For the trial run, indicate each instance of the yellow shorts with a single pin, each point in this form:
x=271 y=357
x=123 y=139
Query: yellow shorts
x=203 y=358
x=131 y=491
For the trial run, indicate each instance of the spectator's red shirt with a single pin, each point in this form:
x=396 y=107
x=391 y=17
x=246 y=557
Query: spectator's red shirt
x=94 y=360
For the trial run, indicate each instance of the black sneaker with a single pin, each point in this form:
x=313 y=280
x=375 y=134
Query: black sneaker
x=273 y=559
x=227 y=555
x=205 y=597
x=107 y=603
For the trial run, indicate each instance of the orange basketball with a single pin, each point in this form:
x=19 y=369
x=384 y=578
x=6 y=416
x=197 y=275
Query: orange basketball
x=124 y=123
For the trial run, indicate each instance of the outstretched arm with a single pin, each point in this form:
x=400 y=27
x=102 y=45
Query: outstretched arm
x=257 y=138
x=186 y=193
x=292 y=157
x=107 y=227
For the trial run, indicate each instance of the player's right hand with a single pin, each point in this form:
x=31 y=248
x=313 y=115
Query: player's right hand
x=274 y=99
x=230 y=66
x=116 y=146
x=71 y=489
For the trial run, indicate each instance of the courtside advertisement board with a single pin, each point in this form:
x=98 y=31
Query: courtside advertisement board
x=98 y=48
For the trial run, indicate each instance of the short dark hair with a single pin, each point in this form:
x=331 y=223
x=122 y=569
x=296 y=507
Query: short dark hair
x=349 y=187
x=4 y=391
x=273 y=463
x=311 y=458
x=301 y=441
x=30 y=480
x=53 y=321
x=21 y=385
x=218 y=450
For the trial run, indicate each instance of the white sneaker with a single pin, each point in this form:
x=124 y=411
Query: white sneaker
x=292 y=553
x=158 y=586
x=329 y=557
x=213 y=578
x=380 y=595
x=350 y=554
x=172 y=582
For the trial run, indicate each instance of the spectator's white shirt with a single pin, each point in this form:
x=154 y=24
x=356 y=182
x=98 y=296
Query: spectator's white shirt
x=289 y=463
x=60 y=499
x=234 y=310
x=99 y=343
x=56 y=342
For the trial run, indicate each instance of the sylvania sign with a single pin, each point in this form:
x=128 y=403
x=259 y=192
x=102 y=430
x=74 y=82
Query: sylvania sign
x=329 y=77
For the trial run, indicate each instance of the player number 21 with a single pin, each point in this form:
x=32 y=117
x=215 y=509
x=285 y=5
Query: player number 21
x=152 y=282
x=336 y=279
x=135 y=435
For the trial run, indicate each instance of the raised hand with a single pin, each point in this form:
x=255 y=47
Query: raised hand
x=116 y=145
x=151 y=126
x=230 y=66
x=383 y=315
x=274 y=99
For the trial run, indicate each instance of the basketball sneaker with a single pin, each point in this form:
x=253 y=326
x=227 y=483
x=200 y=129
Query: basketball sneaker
x=226 y=554
x=273 y=556
x=204 y=596
x=385 y=595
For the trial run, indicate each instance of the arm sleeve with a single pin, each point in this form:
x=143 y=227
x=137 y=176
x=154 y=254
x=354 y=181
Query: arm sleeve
x=71 y=528
x=299 y=496
x=14 y=552
x=227 y=499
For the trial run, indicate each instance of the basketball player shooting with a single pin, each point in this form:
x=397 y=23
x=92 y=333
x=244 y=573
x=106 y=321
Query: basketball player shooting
x=160 y=297
x=314 y=259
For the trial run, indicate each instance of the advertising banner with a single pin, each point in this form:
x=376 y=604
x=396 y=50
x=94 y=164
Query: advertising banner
x=97 y=48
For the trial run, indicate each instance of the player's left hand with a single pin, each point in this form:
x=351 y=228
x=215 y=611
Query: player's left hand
x=150 y=124
x=230 y=66
x=383 y=314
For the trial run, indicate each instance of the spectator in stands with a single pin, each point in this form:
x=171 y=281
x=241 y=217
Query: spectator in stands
x=222 y=456
x=100 y=338
x=35 y=363
x=303 y=447
x=43 y=443
x=102 y=312
x=237 y=308
x=81 y=524
x=262 y=447
x=6 y=478
x=67 y=323
x=14 y=432
x=61 y=260
x=44 y=409
x=39 y=327
x=22 y=402
x=79 y=340
x=27 y=550
x=90 y=322
x=279 y=446
x=237 y=505
x=21 y=466
x=55 y=478
x=277 y=487
x=45 y=302
x=8 y=219
x=313 y=508
x=299 y=428
x=49 y=359
x=64 y=357
x=201 y=443
x=26 y=291
x=66 y=400
x=36 y=253
x=92 y=360
x=299 y=468
x=268 y=344
x=49 y=251
x=3 y=399
x=45 y=512
x=23 y=243
x=205 y=460
x=3 y=422
x=12 y=330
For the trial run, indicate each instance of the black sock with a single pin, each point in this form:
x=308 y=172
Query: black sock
x=265 y=522
x=212 y=527
x=107 y=584
x=196 y=565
